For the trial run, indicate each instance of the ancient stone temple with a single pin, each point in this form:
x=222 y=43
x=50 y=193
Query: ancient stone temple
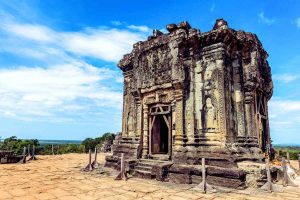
x=189 y=95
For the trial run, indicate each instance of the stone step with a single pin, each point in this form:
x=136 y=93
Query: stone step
x=146 y=164
x=152 y=161
x=160 y=157
x=124 y=150
x=258 y=158
x=260 y=182
x=129 y=142
x=143 y=174
x=149 y=163
x=143 y=168
x=127 y=145
x=130 y=138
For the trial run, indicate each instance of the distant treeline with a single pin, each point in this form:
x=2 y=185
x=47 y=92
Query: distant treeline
x=17 y=145
x=293 y=151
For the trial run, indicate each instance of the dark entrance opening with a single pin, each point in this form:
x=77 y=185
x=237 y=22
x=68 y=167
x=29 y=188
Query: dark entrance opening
x=160 y=141
x=264 y=136
x=262 y=121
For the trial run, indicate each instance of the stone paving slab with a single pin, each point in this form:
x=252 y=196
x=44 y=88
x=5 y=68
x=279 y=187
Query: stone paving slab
x=60 y=177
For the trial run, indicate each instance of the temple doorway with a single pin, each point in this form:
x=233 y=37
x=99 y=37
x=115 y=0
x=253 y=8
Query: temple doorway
x=160 y=131
x=159 y=136
x=262 y=121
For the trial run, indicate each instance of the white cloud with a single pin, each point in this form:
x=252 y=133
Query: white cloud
x=264 y=19
x=142 y=28
x=108 y=45
x=285 y=78
x=30 y=31
x=298 y=22
x=24 y=51
x=58 y=84
x=44 y=93
x=284 y=120
x=101 y=43
x=139 y=28
x=285 y=106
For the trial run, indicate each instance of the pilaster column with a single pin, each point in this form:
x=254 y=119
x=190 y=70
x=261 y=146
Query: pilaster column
x=138 y=119
x=179 y=126
x=268 y=124
x=250 y=115
x=240 y=118
x=173 y=107
x=198 y=96
x=239 y=99
x=189 y=109
x=145 y=131
x=124 y=132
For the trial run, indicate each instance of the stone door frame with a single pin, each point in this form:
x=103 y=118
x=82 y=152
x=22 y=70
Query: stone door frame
x=262 y=120
x=166 y=111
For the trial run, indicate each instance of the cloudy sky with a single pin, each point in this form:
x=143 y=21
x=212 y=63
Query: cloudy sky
x=58 y=74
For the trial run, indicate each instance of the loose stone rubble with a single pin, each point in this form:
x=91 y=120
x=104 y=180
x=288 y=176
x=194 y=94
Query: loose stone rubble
x=189 y=95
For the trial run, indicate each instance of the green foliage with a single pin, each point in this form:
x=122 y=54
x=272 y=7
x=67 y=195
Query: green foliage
x=293 y=151
x=91 y=143
x=17 y=145
x=60 y=149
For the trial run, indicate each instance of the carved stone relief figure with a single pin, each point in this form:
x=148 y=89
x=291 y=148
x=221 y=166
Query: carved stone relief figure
x=210 y=115
x=205 y=83
x=129 y=123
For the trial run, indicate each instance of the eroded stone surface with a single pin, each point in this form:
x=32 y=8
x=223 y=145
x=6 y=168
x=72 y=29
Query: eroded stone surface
x=190 y=95
x=60 y=177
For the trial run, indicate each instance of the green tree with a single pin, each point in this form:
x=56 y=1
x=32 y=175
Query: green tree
x=89 y=143
x=17 y=145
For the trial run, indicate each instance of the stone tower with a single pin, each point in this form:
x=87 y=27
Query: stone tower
x=189 y=95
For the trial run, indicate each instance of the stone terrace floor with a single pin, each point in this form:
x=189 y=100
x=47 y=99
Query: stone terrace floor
x=60 y=177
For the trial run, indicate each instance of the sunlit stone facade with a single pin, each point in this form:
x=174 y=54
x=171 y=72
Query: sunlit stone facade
x=189 y=95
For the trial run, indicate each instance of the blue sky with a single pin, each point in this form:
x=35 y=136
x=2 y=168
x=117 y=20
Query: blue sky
x=58 y=74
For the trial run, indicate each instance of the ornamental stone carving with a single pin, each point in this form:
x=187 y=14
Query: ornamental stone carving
x=190 y=94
